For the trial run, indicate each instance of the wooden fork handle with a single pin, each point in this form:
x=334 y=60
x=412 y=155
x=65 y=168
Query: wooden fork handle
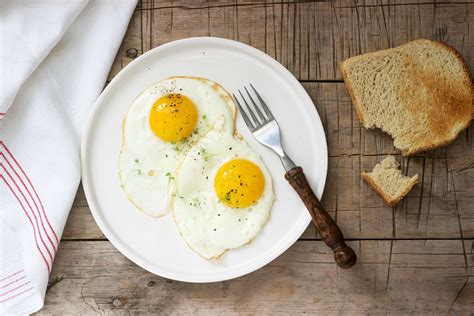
x=327 y=228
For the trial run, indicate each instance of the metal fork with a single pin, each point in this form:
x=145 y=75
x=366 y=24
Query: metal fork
x=259 y=119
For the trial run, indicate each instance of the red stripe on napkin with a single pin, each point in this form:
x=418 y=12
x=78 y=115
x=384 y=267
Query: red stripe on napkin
x=11 y=275
x=13 y=282
x=16 y=295
x=31 y=209
x=34 y=191
x=12 y=290
x=34 y=202
x=29 y=218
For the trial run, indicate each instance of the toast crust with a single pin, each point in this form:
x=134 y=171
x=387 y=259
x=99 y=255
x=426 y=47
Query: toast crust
x=389 y=200
x=353 y=95
x=424 y=145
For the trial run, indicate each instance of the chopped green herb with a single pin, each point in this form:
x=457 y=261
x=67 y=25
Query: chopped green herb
x=170 y=177
x=136 y=160
x=139 y=171
x=204 y=117
x=178 y=146
x=227 y=197
x=196 y=202
x=206 y=154
x=177 y=195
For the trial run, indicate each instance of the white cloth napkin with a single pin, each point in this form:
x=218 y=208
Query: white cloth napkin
x=55 y=56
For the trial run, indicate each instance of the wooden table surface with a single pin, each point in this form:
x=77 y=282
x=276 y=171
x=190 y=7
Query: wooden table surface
x=416 y=257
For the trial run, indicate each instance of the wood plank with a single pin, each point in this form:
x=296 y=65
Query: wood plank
x=132 y=45
x=81 y=225
x=310 y=38
x=391 y=276
x=440 y=206
x=80 y=198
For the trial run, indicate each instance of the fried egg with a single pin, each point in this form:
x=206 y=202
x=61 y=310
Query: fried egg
x=159 y=129
x=223 y=195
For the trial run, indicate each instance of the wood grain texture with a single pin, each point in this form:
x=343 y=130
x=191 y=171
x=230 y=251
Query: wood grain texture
x=307 y=37
x=391 y=276
x=417 y=257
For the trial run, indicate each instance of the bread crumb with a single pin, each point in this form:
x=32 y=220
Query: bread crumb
x=387 y=180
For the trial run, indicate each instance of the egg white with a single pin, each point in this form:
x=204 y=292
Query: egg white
x=148 y=165
x=208 y=226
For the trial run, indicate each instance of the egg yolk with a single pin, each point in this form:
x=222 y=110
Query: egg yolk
x=173 y=117
x=239 y=183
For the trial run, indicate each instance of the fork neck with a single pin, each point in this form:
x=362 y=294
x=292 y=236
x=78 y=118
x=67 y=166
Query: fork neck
x=286 y=161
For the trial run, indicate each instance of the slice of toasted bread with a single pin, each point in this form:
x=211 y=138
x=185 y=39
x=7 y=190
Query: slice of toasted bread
x=421 y=93
x=387 y=180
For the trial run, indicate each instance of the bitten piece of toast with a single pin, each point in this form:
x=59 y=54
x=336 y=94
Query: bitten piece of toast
x=387 y=180
x=421 y=93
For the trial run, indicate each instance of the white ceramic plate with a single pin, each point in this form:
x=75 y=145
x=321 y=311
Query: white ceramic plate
x=155 y=244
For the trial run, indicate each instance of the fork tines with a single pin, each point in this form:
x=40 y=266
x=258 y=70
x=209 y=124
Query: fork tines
x=252 y=112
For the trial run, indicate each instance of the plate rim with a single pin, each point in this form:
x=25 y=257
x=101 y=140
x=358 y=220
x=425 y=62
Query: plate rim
x=87 y=182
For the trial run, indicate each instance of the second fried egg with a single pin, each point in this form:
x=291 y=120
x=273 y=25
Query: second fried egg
x=223 y=195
